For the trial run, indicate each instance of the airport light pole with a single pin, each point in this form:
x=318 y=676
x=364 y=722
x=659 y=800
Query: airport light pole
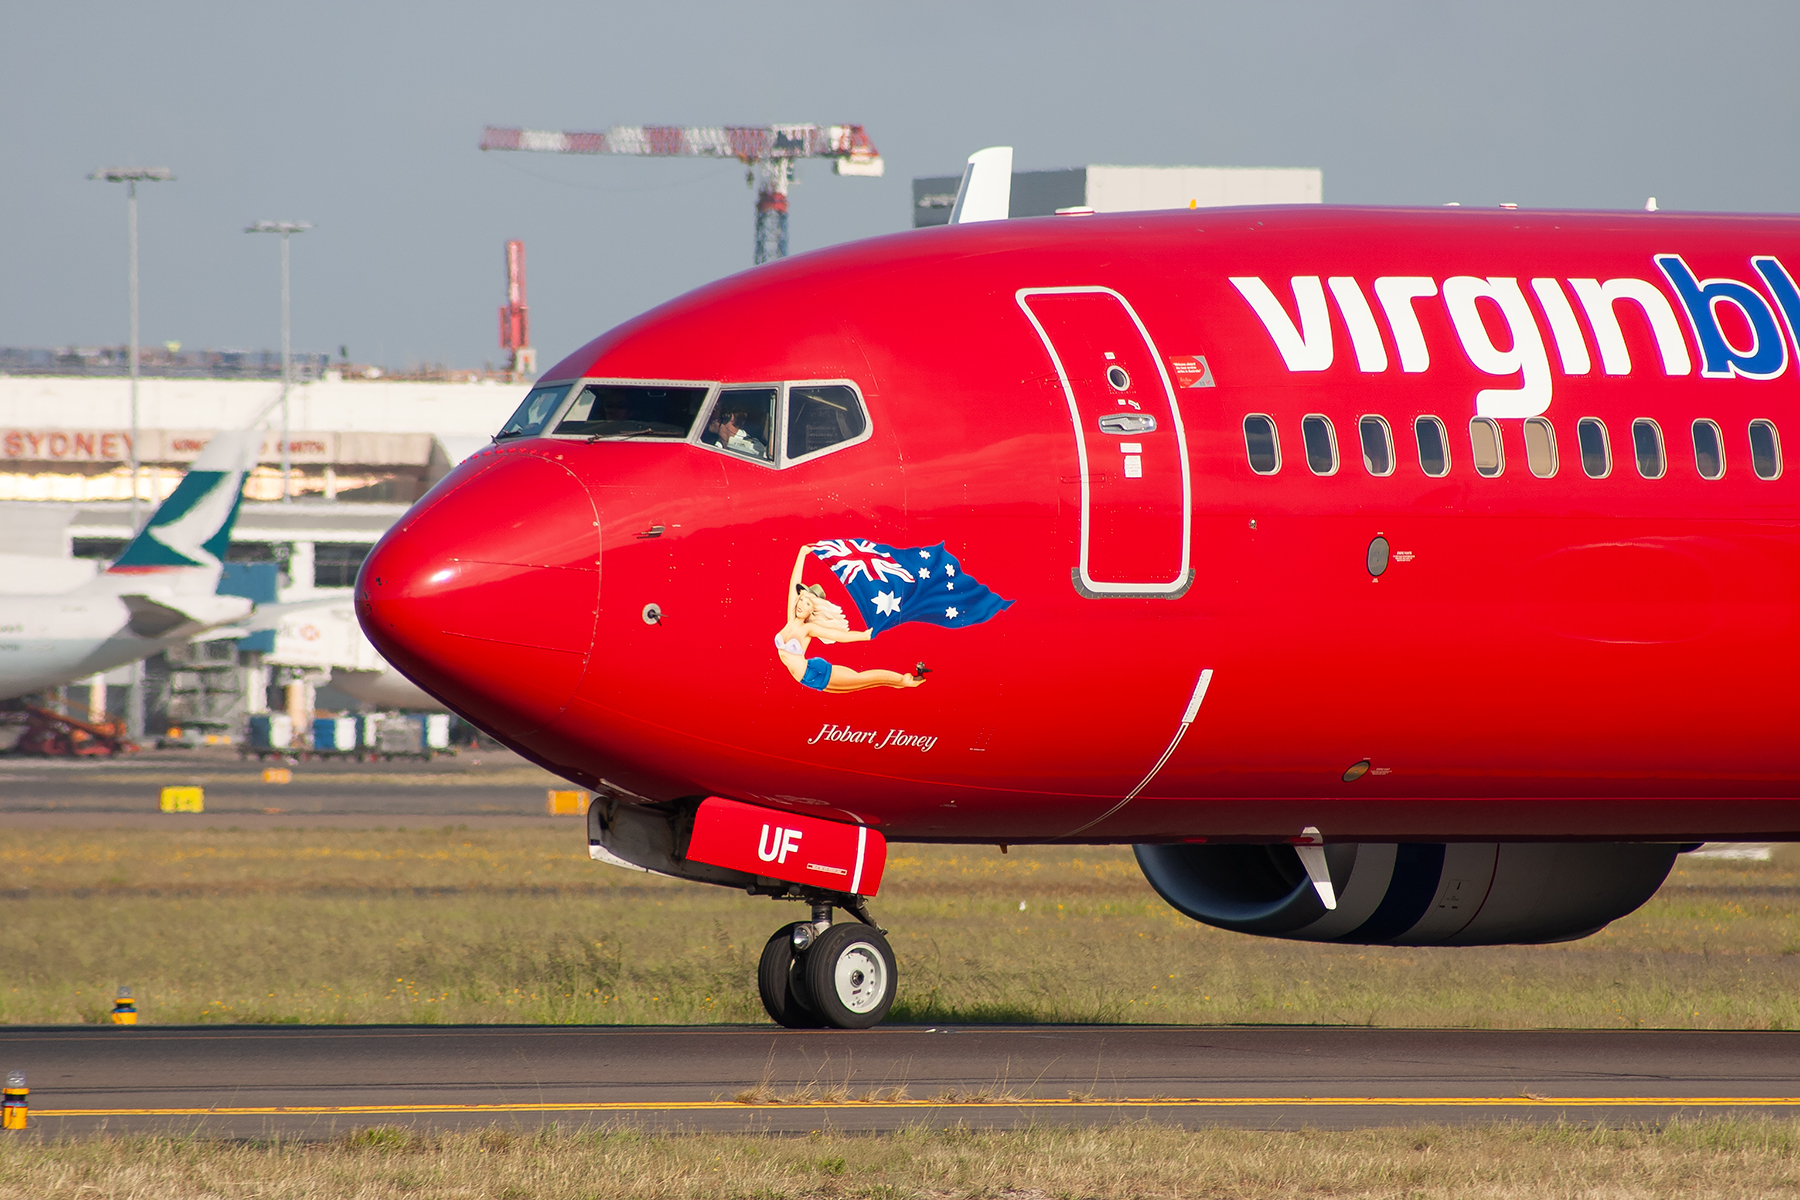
x=284 y=228
x=131 y=177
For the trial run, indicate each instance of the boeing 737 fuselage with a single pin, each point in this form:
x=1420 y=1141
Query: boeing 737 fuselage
x=1382 y=575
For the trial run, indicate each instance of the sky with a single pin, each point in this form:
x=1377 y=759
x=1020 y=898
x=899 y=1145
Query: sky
x=364 y=119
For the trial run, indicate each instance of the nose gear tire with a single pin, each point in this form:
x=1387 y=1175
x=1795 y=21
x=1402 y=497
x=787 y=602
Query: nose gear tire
x=850 y=976
x=781 y=982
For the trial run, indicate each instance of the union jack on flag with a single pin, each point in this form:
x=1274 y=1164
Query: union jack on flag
x=893 y=585
x=853 y=558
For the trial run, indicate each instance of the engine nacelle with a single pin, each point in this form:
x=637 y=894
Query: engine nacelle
x=1413 y=893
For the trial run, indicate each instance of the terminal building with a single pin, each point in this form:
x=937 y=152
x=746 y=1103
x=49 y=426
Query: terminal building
x=360 y=452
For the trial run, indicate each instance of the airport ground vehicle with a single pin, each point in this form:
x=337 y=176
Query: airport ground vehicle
x=1393 y=576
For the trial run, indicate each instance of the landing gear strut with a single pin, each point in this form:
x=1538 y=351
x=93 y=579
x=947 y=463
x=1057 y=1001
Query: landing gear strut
x=815 y=974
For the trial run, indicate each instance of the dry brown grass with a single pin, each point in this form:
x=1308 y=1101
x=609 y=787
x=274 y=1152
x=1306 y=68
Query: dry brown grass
x=1734 y=1158
x=515 y=924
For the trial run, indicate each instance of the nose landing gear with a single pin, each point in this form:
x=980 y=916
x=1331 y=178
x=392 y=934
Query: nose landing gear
x=814 y=974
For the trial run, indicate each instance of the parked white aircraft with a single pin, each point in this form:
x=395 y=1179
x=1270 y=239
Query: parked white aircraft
x=323 y=635
x=161 y=591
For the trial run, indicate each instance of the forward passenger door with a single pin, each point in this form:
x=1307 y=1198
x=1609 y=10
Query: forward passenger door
x=1135 y=486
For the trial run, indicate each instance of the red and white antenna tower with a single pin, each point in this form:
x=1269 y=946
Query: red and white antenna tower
x=515 y=327
x=769 y=150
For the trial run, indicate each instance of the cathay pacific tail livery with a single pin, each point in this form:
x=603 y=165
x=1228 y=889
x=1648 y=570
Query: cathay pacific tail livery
x=161 y=591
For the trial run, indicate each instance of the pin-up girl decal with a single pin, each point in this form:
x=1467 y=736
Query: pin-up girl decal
x=810 y=615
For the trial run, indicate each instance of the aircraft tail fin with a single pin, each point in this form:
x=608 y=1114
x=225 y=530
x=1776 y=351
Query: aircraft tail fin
x=985 y=193
x=192 y=528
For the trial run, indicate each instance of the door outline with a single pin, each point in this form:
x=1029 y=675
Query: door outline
x=1087 y=586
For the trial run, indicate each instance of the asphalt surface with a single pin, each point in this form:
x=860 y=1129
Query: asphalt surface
x=321 y=1081
x=488 y=783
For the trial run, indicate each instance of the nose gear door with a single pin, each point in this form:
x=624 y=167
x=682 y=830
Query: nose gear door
x=1135 y=485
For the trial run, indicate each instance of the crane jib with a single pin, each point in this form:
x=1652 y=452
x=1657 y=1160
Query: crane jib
x=748 y=143
x=771 y=149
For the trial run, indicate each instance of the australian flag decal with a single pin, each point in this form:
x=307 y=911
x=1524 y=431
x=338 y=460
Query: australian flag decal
x=892 y=586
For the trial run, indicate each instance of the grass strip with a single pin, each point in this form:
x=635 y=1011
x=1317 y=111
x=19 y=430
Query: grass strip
x=1494 y=1161
x=514 y=924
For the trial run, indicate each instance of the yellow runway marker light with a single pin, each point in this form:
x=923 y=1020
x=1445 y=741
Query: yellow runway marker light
x=277 y=775
x=17 y=1108
x=124 y=1008
x=184 y=799
x=567 y=804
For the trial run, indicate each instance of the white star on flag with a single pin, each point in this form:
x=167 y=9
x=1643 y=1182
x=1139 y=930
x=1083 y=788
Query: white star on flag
x=924 y=554
x=886 y=603
x=950 y=612
x=949 y=569
x=949 y=587
x=924 y=572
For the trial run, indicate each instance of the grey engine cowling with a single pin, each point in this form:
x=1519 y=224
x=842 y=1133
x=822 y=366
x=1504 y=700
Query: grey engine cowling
x=1413 y=893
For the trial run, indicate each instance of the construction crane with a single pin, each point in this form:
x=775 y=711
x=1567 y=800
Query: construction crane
x=770 y=151
x=515 y=318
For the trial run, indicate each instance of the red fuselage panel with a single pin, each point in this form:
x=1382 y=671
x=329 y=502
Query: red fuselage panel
x=1551 y=649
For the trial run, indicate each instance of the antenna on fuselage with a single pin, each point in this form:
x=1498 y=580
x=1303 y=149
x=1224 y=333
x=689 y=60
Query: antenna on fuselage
x=985 y=193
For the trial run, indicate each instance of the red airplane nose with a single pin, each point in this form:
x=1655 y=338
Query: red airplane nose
x=487 y=596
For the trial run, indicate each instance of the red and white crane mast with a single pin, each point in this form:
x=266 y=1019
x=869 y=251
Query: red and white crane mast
x=769 y=150
x=515 y=323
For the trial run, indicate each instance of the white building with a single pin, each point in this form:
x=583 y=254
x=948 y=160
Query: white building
x=360 y=452
x=1106 y=189
x=68 y=438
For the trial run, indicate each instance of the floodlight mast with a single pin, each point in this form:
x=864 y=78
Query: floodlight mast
x=770 y=152
x=284 y=228
x=131 y=177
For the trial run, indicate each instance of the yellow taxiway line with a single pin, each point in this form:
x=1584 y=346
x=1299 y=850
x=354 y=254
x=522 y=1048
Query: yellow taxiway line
x=854 y=1105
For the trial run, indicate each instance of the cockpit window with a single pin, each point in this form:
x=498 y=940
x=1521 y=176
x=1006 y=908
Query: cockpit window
x=776 y=424
x=620 y=410
x=743 y=422
x=540 y=405
x=821 y=415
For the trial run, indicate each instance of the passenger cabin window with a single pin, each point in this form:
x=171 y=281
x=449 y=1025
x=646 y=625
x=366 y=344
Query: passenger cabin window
x=1596 y=449
x=1377 y=445
x=633 y=410
x=535 y=413
x=1647 y=441
x=740 y=422
x=1485 y=447
x=1540 y=447
x=1321 y=444
x=1262 y=444
x=1709 y=450
x=821 y=415
x=1434 y=446
x=1765 y=449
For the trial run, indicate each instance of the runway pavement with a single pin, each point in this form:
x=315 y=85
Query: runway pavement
x=488 y=784
x=319 y=1081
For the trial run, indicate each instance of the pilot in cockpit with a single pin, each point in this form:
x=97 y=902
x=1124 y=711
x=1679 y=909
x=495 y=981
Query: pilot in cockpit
x=726 y=429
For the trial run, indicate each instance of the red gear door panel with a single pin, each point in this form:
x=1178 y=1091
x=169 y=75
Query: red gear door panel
x=1128 y=435
x=833 y=855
